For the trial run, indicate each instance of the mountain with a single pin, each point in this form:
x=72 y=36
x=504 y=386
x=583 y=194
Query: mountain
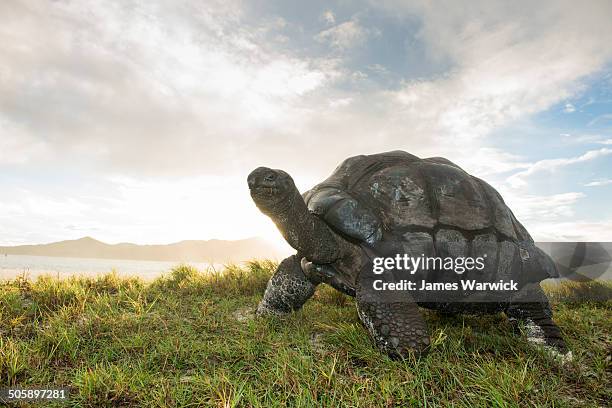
x=213 y=250
x=591 y=259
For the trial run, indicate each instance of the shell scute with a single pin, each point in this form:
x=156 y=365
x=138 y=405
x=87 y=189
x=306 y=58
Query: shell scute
x=400 y=195
x=460 y=200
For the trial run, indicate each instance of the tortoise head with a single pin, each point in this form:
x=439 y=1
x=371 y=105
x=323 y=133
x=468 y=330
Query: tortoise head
x=272 y=190
x=275 y=194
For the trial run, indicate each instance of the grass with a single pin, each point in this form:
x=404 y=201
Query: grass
x=189 y=339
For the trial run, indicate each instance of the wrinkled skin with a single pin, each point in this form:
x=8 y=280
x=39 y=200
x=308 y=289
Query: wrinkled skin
x=397 y=329
x=343 y=261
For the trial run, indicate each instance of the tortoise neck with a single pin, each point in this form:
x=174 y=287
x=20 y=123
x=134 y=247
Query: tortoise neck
x=307 y=233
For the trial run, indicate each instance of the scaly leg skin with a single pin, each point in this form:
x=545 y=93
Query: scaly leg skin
x=287 y=290
x=397 y=328
x=531 y=308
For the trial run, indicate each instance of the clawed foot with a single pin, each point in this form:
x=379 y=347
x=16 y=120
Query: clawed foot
x=397 y=328
x=545 y=336
x=548 y=338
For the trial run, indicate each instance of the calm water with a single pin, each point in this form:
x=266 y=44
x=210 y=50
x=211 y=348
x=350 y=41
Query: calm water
x=33 y=266
x=12 y=266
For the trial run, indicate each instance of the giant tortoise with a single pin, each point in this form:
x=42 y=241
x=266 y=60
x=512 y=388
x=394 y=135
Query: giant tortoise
x=392 y=203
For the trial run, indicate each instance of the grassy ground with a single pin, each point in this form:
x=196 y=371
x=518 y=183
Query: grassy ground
x=190 y=339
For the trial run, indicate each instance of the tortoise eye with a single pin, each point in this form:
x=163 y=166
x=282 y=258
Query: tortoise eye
x=270 y=177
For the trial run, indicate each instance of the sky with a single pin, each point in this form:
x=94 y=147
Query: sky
x=138 y=121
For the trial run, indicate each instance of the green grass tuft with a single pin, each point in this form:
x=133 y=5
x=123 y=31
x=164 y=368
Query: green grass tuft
x=190 y=339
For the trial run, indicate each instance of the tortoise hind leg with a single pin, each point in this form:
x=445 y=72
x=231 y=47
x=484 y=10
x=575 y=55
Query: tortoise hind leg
x=531 y=308
x=397 y=328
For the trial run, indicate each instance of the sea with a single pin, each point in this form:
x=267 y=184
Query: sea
x=592 y=260
x=12 y=266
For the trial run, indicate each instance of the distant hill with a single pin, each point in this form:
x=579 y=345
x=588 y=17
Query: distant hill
x=213 y=250
x=589 y=259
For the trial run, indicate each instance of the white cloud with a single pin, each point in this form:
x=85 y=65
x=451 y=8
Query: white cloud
x=573 y=231
x=183 y=77
x=508 y=62
x=535 y=208
x=553 y=217
x=586 y=138
x=486 y=161
x=340 y=102
x=379 y=69
x=329 y=17
x=199 y=89
x=598 y=183
x=167 y=81
x=19 y=147
x=550 y=165
x=606 y=117
x=569 y=108
x=344 y=35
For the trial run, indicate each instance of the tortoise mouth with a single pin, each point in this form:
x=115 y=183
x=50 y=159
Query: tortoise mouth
x=264 y=191
x=272 y=201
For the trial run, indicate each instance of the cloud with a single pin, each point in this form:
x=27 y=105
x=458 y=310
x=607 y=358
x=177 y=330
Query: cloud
x=379 y=69
x=185 y=90
x=550 y=165
x=344 y=35
x=569 y=108
x=582 y=138
x=553 y=217
x=507 y=63
x=340 y=102
x=202 y=88
x=601 y=118
x=185 y=86
x=486 y=161
x=574 y=231
x=491 y=29
x=17 y=146
x=598 y=183
x=531 y=208
x=605 y=142
x=329 y=17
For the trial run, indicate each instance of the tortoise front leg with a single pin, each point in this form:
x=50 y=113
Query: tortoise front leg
x=287 y=290
x=392 y=319
x=326 y=274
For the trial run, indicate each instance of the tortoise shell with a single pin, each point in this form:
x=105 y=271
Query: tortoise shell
x=428 y=207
